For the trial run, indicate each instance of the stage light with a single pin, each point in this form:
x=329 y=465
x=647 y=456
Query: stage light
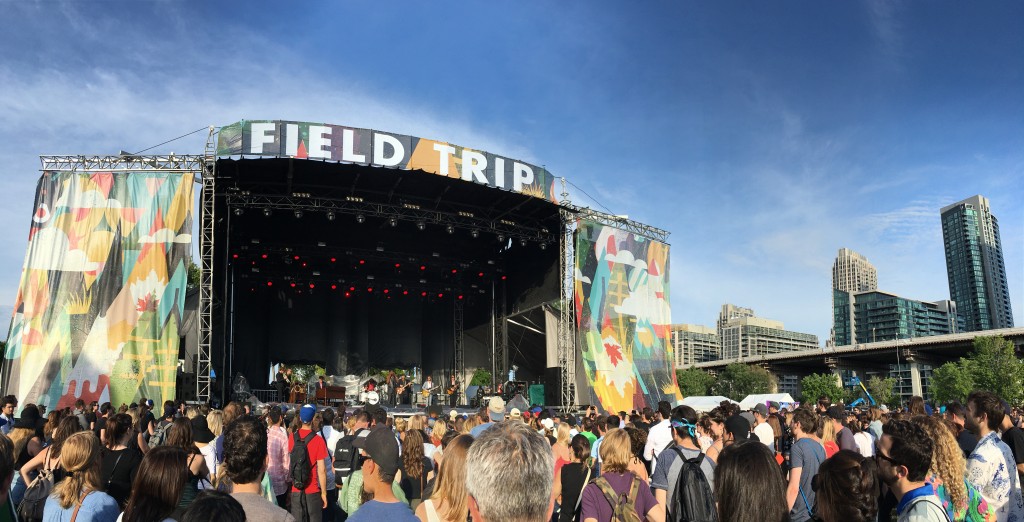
x=386 y=291
x=423 y=294
x=460 y=297
x=333 y=259
x=303 y=264
x=481 y=274
x=239 y=211
x=475 y=233
x=423 y=267
x=454 y=271
x=312 y=286
x=501 y=238
x=234 y=256
x=347 y=294
x=423 y=281
x=267 y=212
x=439 y=296
x=405 y=292
x=370 y=289
x=334 y=287
x=293 y=285
x=398 y=265
x=421 y=225
x=264 y=256
x=270 y=283
x=298 y=214
x=393 y=222
x=451 y=229
x=522 y=242
x=351 y=289
x=543 y=245
x=504 y=278
x=297 y=258
x=360 y=219
x=362 y=261
x=330 y=216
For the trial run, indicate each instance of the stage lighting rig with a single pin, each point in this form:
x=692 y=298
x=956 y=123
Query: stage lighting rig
x=330 y=216
x=475 y=233
x=239 y=211
x=298 y=214
x=267 y=212
x=421 y=225
x=451 y=229
x=393 y=222
x=360 y=219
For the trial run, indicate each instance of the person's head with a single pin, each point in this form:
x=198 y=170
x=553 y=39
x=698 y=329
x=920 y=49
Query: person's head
x=211 y=505
x=947 y=458
x=159 y=481
x=837 y=415
x=7 y=458
x=805 y=422
x=306 y=415
x=713 y=423
x=67 y=427
x=245 y=450
x=683 y=420
x=637 y=440
x=439 y=430
x=412 y=453
x=956 y=413
x=274 y=415
x=179 y=433
x=8 y=404
x=119 y=430
x=169 y=409
x=984 y=412
x=380 y=416
x=847 y=488
x=451 y=478
x=916 y=406
x=580 y=447
x=616 y=451
x=826 y=428
x=664 y=409
x=379 y=459
x=737 y=429
x=363 y=419
x=824 y=403
x=760 y=412
x=488 y=475
x=613 y=422
x=748 y=485
x=215 y=421
x=231 y=412
x=80 y=458
x=904 y=453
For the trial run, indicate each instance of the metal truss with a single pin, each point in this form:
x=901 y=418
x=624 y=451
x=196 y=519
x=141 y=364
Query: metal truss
x=501 y=335
x=460 y=347
x=618 y=222
x=356 y=206
x=125 y=163
x=567 y=345
x=203 y=357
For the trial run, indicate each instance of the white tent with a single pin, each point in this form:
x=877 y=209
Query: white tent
x=705 y=403
x=763 y=398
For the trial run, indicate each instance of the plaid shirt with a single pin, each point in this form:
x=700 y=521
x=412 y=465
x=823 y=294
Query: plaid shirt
x=280 y=461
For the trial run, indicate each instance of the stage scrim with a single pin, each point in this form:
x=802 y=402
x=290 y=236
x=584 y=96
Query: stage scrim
x=102 y=290
x=624 y=318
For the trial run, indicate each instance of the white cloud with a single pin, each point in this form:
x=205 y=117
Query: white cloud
x=165 y=235
x=50 y=251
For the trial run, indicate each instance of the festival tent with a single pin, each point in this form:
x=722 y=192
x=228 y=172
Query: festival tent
x=705 y=403
x=763 y=398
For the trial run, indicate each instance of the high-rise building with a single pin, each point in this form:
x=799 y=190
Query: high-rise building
x=748 y=336
x=852 y=272
x=694 y=344
x=728 y=313
x=974 y=264
x=866 y=317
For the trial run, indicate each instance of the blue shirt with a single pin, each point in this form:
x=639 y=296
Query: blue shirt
x=475 y=432
x=97 y=507
x=922 y=491
x=376 y=511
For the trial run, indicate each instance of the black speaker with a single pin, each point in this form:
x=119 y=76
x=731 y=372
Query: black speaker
x=553 y=387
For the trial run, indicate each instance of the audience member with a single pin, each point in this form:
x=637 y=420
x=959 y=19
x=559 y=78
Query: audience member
x=158 y=486
x=80 y=496
x=308 y=500
x=947 y=474
x=683 y=422
x=637 y=441
x=488 y=475
x=215 y=506
x=495 y=412
x=843 y=436
x=121 y=458
x=748 y=485
x=660 y=435
x=379 y=467
x=49 y=458
x=416 y=468
x=991 y=466
x=957 y=414
x=805 y=457
x=617 y=484
x=904 y=456
x=762 y=430
x=278 y=462
x=6 y=477
x=28 y=440
x=846 y=488
x=179 y=434
x=449 y=502
x=245 y=461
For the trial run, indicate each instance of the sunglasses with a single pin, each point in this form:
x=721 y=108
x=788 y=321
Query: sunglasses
x=878 y=455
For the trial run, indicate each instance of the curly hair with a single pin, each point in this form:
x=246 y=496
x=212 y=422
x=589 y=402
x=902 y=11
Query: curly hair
x=245 y=450
x=715 y=416
x=948 y=461
x=412 y=454
x=847 y=488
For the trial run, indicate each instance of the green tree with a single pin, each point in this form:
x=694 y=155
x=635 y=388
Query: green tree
x=739 y=380
x=996 y=368
x=881 y=389
x=818 y=384
x=694 y=381
x=193 y=275
x=952 y=381
x=480 y=378
x=306 y=372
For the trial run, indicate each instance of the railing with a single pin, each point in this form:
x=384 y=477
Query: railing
x=265 y=395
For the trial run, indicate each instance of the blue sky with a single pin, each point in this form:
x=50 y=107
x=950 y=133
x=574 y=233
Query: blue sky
x=763 y=135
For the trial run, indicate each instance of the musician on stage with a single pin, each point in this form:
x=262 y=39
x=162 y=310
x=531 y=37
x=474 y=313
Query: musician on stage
x=428 y=390
x=453 y=391
x=392 y=382
x=282 y=384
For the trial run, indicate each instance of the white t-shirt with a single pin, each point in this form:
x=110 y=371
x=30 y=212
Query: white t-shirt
x=765 y=434
x=865 y=444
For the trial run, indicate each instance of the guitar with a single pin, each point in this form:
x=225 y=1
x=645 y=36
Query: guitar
x=451 y=389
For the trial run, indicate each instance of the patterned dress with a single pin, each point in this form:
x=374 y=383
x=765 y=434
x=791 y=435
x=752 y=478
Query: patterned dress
x=977 y=509
x=992 y=470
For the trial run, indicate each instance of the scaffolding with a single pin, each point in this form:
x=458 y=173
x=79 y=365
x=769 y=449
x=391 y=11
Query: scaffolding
x=203 y=355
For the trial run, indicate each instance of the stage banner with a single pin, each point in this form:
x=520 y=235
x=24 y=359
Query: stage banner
x=102 y=290
x=292 y=139
x=624 y=318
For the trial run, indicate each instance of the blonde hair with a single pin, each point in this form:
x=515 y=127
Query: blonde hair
x=450 y=484
x=215 y=421
x=948 y=461
x=472 y=422
x=440 y=428
x=401 y=424
x=80 y=457
x=415 y=423
x=616 y=451
x=562 y=433
x=20 y=438
x=827 y=430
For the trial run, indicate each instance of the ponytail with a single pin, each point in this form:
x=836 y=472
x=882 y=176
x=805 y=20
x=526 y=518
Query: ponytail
x=80 y=458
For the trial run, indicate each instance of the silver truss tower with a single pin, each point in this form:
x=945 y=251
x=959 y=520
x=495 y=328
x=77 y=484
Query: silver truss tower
x=203 y=357
x=460 y=347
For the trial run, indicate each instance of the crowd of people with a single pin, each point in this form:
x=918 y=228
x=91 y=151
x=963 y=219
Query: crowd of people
x=817 y=462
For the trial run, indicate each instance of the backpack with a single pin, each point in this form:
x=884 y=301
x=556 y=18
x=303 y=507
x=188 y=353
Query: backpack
x=301 y=470
x=693 y=500
x=345 y=457
x=623 y=506
x=31 y=506
x=157 y=438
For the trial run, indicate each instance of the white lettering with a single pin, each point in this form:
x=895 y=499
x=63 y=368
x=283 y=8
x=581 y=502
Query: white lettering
x=348 y=143
x=446 y=151
x=499 y=172
x=259 y=137
x=521 y=175
x=291 y=139
x=378 y=150
x=319 y=144
x=473 y=165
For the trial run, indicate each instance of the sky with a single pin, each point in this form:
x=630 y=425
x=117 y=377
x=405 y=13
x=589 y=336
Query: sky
x=763 y=135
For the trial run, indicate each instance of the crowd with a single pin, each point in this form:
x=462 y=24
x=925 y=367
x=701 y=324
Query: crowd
x=818 y=462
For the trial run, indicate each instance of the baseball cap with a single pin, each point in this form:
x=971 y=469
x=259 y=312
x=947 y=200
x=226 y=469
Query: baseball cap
x=836 y=413
x=773 y=404
x=761 y=409
x=738 y=427
x=453 y=414
x=547 y=423
x=748 y=416
x=496 y=409
x=306 y=413
x=382 y=447
x=515 y=414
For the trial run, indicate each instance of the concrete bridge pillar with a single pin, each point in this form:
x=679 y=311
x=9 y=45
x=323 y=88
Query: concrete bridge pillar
x=915 y=379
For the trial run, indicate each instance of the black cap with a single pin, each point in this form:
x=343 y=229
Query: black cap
x=738 y=427
x=382 y=447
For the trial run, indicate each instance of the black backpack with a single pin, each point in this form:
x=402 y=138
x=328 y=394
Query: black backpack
x=693 y=500
x=345 y=457
x=301 y=470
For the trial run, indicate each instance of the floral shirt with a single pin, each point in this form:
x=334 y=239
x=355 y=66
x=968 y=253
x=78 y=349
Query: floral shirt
x=977 y=509
x=280 y=461
x=992 y=470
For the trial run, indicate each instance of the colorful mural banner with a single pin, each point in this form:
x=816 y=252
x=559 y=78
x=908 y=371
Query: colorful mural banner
x=624 y=318
x=292 y=139
x=102 y=290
